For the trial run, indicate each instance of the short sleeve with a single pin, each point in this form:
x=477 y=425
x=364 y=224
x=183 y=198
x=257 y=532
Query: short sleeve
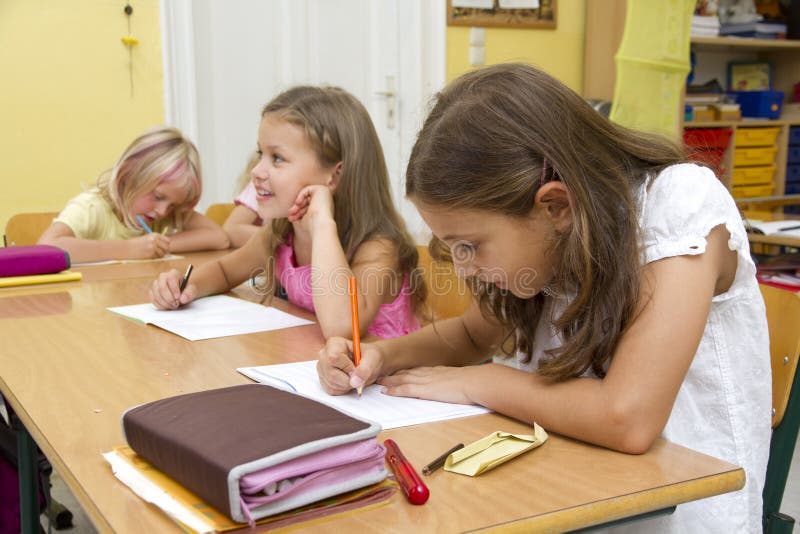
x=679 y=209
x=89 y=216
x=80 y=214
x=247 y=197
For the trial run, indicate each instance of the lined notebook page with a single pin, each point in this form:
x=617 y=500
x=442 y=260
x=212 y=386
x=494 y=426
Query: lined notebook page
x=390 y=412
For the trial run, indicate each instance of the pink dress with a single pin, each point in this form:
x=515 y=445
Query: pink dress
x=393 y=320
x=247 y=198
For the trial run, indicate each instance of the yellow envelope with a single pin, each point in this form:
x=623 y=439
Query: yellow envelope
x=493 y=450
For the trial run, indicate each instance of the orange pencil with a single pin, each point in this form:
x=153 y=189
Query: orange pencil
x=356 y=333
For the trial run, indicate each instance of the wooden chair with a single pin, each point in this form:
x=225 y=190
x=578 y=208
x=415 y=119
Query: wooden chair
x=27 y=228
x=447 y=295
x=219 y=212
x=783 y=318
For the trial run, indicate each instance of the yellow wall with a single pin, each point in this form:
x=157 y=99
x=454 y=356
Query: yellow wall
x=67 y=111
x=558 y=52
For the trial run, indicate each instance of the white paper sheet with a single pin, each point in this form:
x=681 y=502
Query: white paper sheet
x=786 y=228
x=112 y=262
x=153 y=494
x=390 y=412
x=210 y=317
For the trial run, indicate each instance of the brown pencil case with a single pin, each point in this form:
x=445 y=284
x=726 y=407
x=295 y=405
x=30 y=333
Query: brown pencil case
x=208 y=441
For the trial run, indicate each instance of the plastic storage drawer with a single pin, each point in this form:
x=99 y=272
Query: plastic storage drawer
x=792 y=188
x=707 y=137
x=750 y=191
x=756 y=136
x=711 y=158
x=794 y=154
x=753 y=175
x=794 y=135
x=754 y=156
x=793 y=173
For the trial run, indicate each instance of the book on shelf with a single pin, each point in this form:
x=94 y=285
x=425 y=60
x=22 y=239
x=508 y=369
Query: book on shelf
x=704 y=99
x=755 y=29
x=705 y=26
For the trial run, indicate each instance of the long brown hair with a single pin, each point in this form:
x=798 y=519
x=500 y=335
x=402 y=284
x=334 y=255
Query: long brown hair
x=484 y=145
x=338 y=128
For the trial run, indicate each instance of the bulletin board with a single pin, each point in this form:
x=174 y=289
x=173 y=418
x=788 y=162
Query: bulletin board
x=502 y=13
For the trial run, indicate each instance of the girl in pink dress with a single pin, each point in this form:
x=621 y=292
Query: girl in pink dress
x=322 y=189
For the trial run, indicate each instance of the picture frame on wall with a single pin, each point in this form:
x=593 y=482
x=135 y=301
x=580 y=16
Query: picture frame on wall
x=502 y=13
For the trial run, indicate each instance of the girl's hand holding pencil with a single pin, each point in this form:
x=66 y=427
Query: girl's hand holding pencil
x=166 y=294
x=338 y=375
x=148 y=246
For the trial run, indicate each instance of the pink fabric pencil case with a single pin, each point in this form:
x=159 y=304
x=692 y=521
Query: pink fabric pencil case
x=302 y=478
x=230 y=445
x=32 y=259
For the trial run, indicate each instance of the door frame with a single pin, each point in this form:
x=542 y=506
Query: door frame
x=421 y=62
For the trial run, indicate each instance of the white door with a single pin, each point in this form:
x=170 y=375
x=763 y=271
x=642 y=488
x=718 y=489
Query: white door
x=225 y=60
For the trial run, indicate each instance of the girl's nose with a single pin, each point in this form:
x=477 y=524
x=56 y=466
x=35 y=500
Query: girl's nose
x=161 y=209
x=259 y=172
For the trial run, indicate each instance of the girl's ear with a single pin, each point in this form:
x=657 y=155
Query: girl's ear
x=554 y=198
x=336 y=175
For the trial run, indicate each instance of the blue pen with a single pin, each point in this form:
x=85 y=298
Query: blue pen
x=143 y=224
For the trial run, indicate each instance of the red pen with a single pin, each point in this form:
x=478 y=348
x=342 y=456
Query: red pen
x=410 y=482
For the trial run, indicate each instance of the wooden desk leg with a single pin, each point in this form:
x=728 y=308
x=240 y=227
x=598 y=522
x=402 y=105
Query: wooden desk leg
x=28 y=480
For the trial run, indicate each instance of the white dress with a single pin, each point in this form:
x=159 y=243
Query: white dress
x=724 y=405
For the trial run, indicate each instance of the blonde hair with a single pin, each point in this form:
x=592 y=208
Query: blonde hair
x=159 y=155
x=497 y=134
x=339 y=129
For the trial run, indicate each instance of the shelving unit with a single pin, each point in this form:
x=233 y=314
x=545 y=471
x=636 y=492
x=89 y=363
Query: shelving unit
x=712 y=55
x=604 y=27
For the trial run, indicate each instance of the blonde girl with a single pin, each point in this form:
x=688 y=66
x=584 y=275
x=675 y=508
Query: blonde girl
x=322 y=184
x=617 y=276
x=150 y=191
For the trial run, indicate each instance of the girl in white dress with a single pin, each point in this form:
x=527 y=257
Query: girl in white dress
x=617 y=275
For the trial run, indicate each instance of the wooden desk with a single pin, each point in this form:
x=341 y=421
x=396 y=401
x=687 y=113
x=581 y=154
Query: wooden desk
x=70 y=368
x=146 y=269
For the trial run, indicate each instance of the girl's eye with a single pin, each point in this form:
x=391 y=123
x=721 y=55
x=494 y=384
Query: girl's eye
x=464 y=251
x=260 y=154
x=276 y=158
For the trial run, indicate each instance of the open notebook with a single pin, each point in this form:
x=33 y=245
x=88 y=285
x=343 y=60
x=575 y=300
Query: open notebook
x=390 y=412
x=210 y=317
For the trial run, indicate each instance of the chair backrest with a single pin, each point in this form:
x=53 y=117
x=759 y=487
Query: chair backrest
x=219 y=212
x=783 y=318
x=27 y=228
x=448 y=296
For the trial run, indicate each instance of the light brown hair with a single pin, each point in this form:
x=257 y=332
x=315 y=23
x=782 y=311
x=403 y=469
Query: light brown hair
x=484 y=145
x=339 y=129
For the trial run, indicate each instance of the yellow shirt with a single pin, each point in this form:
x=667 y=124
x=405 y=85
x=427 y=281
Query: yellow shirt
x=91 y=217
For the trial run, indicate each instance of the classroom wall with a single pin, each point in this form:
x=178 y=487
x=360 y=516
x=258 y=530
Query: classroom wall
x=67 y=108
x=558 y=52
